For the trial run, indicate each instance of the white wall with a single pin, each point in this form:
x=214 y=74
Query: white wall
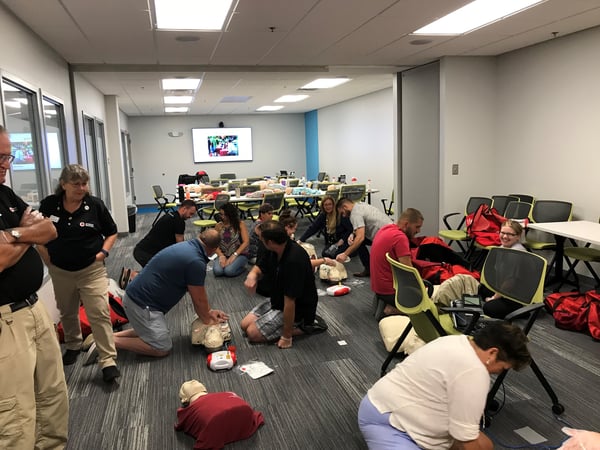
x=356 y=139
x=468 y=122
x=548 y=109
x=277 y=141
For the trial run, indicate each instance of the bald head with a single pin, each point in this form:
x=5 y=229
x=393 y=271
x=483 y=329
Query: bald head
x=211 y=240
x=410 y=221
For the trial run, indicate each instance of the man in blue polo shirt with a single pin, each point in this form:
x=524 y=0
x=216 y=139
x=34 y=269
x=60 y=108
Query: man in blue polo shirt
x=172 y=272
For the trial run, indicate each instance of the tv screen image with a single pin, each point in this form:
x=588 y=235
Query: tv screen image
x=222 y=144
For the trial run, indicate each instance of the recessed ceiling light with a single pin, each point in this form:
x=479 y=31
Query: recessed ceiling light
x=325 y=83
x=200 y=15
x=291 y=98
x=269 y=108
x=176 y=109
x=179 y=99
x=476 y=15
x=180 y=83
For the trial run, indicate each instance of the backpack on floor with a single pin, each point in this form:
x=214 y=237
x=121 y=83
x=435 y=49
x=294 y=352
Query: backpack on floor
x=569 y=309
x=118 y=318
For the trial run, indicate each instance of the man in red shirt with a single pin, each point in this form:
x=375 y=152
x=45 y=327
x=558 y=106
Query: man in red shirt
x=392 y=239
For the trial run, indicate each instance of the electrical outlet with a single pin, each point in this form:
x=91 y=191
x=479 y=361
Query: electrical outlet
x=454 y=169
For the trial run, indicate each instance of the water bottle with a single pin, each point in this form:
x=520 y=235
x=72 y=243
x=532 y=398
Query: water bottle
x=302 y=181
x=368 y=184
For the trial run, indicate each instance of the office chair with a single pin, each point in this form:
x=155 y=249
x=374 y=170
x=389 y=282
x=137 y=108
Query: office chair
x=251 y=180
x=388 y=209
x=517 y=210
x=248 y=188
x=579 y=254
x=275 y=199
x=524 y=198
x=548 y=211
x=228 y=176
x=354 y=192
x=500 y=202
x=321 y=176
x=412 y=299
x=459 y=234
x=518 y=276
x=162 y=200
x=220 y=200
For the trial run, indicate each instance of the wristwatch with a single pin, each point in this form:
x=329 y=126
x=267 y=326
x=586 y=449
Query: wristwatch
x=235 y=253
x=16 y=234
x=105 y=252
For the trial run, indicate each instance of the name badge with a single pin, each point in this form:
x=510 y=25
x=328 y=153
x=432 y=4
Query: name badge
x=54 y=218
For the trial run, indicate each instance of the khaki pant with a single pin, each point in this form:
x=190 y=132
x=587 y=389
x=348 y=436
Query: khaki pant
x=34 y=408
x=90 y=287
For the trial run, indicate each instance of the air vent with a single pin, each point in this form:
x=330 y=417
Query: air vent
x=236 y=99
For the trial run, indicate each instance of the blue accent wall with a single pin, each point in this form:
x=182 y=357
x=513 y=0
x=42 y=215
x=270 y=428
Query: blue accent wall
x=311 y=137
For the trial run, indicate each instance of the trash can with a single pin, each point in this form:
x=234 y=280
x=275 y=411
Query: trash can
x=131 y=214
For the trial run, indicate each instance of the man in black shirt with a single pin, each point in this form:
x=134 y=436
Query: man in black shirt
x=32 y=381
x=167 y=231
x=292 y=308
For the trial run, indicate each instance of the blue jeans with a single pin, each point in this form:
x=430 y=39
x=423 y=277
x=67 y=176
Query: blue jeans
x=232 y=270
x=377 y=431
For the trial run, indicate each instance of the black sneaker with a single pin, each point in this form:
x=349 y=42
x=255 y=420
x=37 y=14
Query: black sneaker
x=110 y=373
x=70 y=357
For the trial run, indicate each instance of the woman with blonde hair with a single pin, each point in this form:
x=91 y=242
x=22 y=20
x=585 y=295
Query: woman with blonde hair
x=76 y=263
x=335 y=229
x=495 y=305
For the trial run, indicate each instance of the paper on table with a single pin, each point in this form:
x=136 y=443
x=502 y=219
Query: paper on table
x=256 y=369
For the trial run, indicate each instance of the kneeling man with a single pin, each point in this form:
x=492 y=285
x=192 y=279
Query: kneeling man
x=292 y=308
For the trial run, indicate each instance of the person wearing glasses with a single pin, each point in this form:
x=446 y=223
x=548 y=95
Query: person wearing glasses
x=32 y=381
x=76 y=263
x=495 y=305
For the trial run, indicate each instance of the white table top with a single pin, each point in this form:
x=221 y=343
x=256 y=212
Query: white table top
x=581 y=230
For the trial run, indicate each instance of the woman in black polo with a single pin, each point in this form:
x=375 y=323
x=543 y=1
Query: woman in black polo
x=86 y=233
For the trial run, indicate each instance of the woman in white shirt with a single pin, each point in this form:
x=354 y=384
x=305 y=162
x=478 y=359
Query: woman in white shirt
x=435 y=398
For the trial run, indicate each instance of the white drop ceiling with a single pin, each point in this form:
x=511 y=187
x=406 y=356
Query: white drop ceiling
x=272 y=47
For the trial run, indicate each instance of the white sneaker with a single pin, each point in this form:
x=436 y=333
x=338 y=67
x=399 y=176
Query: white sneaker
x=91 y=356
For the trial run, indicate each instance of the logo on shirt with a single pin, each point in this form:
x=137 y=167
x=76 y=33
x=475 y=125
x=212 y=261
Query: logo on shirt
x=86 y=224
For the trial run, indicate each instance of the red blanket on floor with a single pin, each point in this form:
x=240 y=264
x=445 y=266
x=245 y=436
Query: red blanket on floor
x=217 y=419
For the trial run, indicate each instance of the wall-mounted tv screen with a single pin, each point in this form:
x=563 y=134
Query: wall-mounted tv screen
x=222 y=144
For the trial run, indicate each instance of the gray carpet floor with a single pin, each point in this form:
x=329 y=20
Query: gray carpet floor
x=310 y=401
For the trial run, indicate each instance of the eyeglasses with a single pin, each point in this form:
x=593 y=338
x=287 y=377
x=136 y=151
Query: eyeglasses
x=5 y=158
x=503 y=233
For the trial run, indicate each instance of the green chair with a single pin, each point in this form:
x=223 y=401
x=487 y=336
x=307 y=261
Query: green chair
x=354 y=192
x=220 y=200
x=518 y=276
x=459 y=234
x=548 y=211
x=165 y=204
x=524 y=198
x=412 y=299
x=500 y=202
x=518 y=210
x=584 y=254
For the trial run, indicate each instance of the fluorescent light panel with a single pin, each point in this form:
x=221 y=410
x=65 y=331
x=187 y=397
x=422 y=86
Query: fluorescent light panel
x=476 y=15
x=176 y=109
x=269 y=108
x=173 y=84
x=325 y=83
x=178 y=99
x=291 y=98
x=199 y=15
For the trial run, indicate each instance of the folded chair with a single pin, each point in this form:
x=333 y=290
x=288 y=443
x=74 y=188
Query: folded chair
x=548 y=211
x=388 y=208
x=165 y=204
x=412 y=299
x=459 y=234
x=518 y=276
